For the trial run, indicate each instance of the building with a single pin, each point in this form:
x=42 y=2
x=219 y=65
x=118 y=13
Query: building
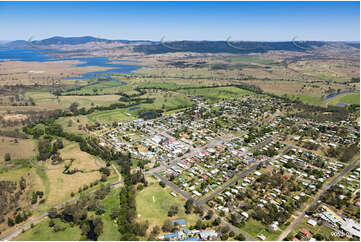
x=179 y=222
x=312 y=222
x=207 y=234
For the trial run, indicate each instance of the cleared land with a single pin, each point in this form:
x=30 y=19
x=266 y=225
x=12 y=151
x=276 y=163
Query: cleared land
x=14 y=145
x=58 y=185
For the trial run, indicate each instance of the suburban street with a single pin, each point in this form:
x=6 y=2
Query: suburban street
x=317 y=198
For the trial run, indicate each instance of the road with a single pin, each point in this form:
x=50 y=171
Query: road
x=38 y=218
x=243 y=174
x=317 y=198
x=215 y=142
x=205 y=208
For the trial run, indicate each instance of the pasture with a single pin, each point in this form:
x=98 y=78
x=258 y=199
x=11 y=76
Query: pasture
x=46 y=100
x=14 y=145
x=162 y=100
x=58 y=186
x=72 y=124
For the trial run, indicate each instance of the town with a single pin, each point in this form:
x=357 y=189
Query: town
x=213 y=155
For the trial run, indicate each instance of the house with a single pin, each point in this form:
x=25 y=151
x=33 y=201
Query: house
x=312 y=222
x=261 y=237
x=171 y=236
x=305 y=232
x=207 y=234
x=274 y=225
x=244 y=214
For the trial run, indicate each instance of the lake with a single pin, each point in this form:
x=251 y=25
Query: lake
x=33 y=55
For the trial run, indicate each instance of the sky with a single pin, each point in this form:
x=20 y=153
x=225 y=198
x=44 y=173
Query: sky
x=248 y=21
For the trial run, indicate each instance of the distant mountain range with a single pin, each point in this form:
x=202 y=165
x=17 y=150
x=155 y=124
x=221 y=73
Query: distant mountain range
x=157 y=47
x=58 y=40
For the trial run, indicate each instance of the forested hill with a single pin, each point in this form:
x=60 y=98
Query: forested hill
x=226 y=47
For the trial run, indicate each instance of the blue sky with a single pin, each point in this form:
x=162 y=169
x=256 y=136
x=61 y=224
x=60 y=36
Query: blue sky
x=268 y=21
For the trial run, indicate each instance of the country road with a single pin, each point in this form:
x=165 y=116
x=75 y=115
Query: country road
x=317 y=198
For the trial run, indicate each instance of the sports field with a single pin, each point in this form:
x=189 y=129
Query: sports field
x=154 y=202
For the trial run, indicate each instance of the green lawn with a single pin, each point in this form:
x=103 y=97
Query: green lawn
x=254 y=228
x=110 y=228
x=43 y=232
x=168 y=101
x=351 y=99
x=307 y=99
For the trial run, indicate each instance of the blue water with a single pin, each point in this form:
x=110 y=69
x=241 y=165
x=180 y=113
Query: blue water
x=134 y=108
x=333 y=95
x=33 y=55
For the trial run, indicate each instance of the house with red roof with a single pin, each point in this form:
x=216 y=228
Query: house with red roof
x=305 y=232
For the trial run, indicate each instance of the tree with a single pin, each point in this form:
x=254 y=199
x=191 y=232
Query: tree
x=173 y=210
x=216 y=222
x=240 y=237
x=167 y=226
x=74 y=107
x=155 y=230
x=162 y=184
x=51 y=223
x=10 y=222
x=199 y=224
x=140 y=187
x=52 y=213
x=198 y=210
x=7 y=157
x=18 y=218
x=188 y=206
x=209 y=214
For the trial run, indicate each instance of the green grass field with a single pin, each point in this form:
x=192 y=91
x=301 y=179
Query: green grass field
x=307 y=99
x=110 y=228
x=42 y=232
x=153 y=204
x=347 y=98
x=351 y=99
x=162 y=100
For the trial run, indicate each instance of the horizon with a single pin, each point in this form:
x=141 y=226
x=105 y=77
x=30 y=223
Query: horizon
x=190 y=40
x=178 y=21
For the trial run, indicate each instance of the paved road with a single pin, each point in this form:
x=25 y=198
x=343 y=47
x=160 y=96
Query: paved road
x=317 y=198
x=234 y=181
x=205 y=208
x=243 y=174
x=215 y=142
x=35 y=220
